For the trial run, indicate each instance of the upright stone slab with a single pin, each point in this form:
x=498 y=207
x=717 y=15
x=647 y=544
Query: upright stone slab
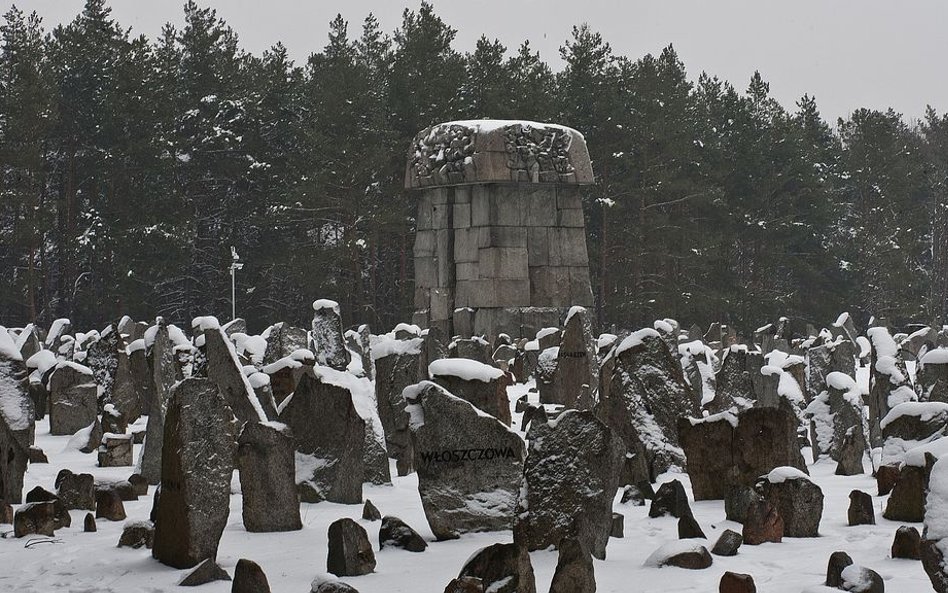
x=142 y=376
x=469 y=464
x=888 y=376
x=163 y=378
x=647 y=394
x=102 y=358
x=734 y=382
x=329 y=343
x=500 y=228
x=226 y=373
x=73 y=398
x=283 y=340
x=330 y=439
x=727 y=451
x=571 y=476
x=267 y=465
x=17 y=409
x=396 y=367
x=125 y=395
x=196 y=467
x=838 y=424
x=932 y=374
x=14 y=458
x=482 y=385
x=577 y=373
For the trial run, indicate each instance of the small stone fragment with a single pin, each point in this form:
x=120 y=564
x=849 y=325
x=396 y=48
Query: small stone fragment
x=108 y=505
x=733 y=582
x=350 y=553
x=907 y=543
x=834 y=569
x=618 y=525
x=763 y=524
x=728 y=543
x=369 y=512
x=89 y=524
x=688 y=528
x=249 y=578
x=396 y=533
x=137 y=534
x=574 y=569
x=860 y=510
x=205 y=572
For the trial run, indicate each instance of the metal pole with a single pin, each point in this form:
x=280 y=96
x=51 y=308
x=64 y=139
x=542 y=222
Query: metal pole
x=233 y=292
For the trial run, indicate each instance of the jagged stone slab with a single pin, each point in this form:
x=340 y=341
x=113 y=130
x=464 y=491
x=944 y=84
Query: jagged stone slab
x=330 y=438
x=571 y=476
x=267 y=463
x=163 y=378
x=73 y=398
x=727 y=451
x=196 y=467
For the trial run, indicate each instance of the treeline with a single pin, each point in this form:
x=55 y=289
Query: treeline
x=131 y=166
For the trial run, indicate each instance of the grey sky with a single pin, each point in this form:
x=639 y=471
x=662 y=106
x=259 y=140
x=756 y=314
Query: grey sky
x=848 y=53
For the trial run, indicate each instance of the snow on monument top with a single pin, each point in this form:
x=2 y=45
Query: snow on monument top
x=464 y=368
x=497 y=151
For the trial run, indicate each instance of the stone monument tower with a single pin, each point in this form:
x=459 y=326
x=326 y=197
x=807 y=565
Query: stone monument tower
x=501 y=243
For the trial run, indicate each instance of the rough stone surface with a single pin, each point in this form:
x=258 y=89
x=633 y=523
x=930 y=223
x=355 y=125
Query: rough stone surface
x=393 y=373
x=196 y=468
x=73 y=399
x=728 y=544
x=861 y=511
x=737 y=501
x=469 y=464
x=125 y=396
x=732 y=582
x=224 y=370
x=330 y=440
x=88 y=524
x=163 y=377
x=396 y=533
x=13 y=461
x=109 y=505
x=834 y=568
x=696 y=559
x=266 y=461
x=886 y=478
x=577 y=371
x=722 y=456
x=369 y=512
x=734 y=389
x=574 y=569
x=350 y=553
x=907 y=543
x=206 y=572
x=249 y=578
x=907 y=501
x=762 y=524
x=688 y=528
x=502 y=568
x=137 y=535
x=488 y=396
x=115 y=450
x=75 y=491
x=646 y=395
x=798 y=501
x=328 y=337
x=571 y=475
x=670 y=499
x=618 y=525
x=465 y=585
x=40 y=518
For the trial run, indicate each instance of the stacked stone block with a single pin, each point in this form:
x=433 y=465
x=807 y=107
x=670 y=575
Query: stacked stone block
x=495 y=240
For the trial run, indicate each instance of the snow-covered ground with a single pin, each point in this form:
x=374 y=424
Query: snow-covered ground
x=90 y=562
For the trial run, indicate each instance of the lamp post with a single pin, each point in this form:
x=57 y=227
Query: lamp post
x=234 y=266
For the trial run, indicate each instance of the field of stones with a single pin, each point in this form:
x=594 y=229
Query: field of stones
x=144 y=457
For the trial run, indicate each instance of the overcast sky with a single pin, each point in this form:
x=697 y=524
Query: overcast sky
x=848 y=53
